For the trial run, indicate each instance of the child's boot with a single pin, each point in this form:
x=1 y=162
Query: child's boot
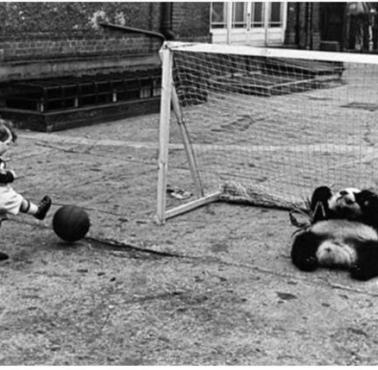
x=43 y=207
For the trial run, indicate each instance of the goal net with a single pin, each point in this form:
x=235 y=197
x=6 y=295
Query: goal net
x=263 y=126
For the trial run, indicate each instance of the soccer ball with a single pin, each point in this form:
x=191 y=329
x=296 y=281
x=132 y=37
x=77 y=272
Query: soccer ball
x=71 y=223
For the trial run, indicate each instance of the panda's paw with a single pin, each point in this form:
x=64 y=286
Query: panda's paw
x=358 y=272
x=319 y=203
x=321 y=194
x=309 y=264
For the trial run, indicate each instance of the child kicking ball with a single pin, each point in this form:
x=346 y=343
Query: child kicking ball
x=12 y=202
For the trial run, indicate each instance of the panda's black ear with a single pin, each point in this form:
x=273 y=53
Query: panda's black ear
x=367 y=199
x=319 y=203
x=368 y=202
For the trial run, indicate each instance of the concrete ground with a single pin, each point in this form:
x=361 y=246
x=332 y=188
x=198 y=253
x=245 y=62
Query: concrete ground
x=212 y=287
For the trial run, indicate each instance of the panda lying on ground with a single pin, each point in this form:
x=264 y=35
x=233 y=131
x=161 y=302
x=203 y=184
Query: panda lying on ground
x=343 y=234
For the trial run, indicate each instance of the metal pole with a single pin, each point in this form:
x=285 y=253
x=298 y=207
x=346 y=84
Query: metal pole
x=165 y=115
x=229 y=21
x=266 y=23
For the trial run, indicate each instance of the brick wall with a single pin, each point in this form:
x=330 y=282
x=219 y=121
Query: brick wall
x=56 y=30
x=76 y=48
x=35 y=31
x=190 y=21
x=59 y=30
x=291 y=36
x=303 y=25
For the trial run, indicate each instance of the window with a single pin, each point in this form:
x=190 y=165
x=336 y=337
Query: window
x=238 y=16
x=240 y=11
x=218 y=15
x=258 y=14
x=251 y=22
x=275 y=19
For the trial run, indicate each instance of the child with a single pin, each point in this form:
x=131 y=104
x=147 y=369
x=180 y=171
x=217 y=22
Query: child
x=12 y=202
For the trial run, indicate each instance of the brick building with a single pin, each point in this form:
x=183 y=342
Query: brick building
x=50 y=40
x=38 y=39
x=57 y=63
x=334 y=26
x=58 y=38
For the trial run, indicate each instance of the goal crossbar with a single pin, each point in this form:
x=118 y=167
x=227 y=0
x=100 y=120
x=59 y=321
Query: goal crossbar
x=271 y=52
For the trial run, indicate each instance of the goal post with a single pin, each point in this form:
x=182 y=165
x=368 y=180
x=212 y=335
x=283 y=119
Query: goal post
x=170 y=98
x=263 y=126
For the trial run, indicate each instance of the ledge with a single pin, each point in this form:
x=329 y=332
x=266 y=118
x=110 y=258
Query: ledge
x=71 y=118
x=19 y=70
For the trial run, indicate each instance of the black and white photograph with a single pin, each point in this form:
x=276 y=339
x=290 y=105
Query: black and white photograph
x=188 y=183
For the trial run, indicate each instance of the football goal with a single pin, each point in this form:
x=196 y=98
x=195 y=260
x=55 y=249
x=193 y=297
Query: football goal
x=263 y=126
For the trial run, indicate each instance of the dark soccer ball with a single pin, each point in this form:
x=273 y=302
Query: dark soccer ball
x=71 y=223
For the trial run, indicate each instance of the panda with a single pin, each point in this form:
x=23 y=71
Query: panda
x=343 y=233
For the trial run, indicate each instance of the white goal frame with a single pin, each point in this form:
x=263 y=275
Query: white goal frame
x=169 y=100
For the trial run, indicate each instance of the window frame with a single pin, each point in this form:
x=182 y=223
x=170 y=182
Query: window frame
x=248 y=30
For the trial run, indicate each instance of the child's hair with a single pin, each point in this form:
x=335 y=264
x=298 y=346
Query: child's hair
x=6 y=128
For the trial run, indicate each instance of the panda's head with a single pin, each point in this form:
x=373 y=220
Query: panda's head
x=346 y=203
x=334 y=253
x=355 y=204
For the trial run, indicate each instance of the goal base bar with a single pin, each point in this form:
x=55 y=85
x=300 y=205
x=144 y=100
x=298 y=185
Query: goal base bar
x=211 y=198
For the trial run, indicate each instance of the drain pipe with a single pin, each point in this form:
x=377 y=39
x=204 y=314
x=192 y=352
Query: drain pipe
x=166 y=21
x=133 y=30
x=308 y=26
x=165 y=33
